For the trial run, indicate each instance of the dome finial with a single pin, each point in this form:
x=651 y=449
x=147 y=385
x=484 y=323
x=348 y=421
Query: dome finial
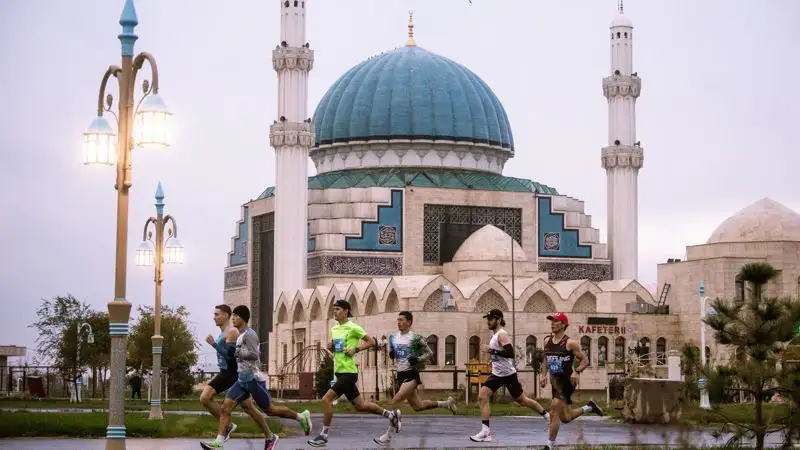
x=620 y=6
x=410 y=42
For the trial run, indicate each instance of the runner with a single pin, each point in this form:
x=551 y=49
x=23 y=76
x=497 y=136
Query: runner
x=504 y=373
x=407 y=367
x=560 y=352
x=251 y=383
x=227 y=369
x=348 y=339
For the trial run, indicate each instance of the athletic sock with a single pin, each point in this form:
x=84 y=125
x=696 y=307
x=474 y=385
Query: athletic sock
x=546 y=416
x=586 y=408
x=442 y=404
x=324 y=431
x=551 y=444
x=220 y=438
x=298 y=417
x=386 y=413
x=485 y=424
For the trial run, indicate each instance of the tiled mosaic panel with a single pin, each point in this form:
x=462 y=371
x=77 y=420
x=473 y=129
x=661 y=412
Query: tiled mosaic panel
x=354 y=265
x=507 y=219
x=236 y=279
x=559 y=271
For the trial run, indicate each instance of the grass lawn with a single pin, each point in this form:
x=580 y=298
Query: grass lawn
x=691 y=414
x=24 y=424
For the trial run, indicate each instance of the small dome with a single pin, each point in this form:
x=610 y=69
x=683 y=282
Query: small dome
x=764 y=220
x=621 y=21
x=489 y=244
x=411 y=93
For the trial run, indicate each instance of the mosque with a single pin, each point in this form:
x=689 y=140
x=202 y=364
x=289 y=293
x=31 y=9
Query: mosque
x=410 y=210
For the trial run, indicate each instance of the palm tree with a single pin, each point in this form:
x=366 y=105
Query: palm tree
x=757 y=274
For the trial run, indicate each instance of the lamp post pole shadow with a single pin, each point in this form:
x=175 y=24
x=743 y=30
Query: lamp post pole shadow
x=157 y=253
x=102 y=146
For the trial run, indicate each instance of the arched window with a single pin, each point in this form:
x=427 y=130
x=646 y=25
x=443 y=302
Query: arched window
x=530 y=350
x=586 y=348
x=602 y=351
x=644 y=350
x=619 y=350
x=708 y=355
x=450 y=351
x=661 y=351
x=474 y=348
x=433 y=344
x=738 y=294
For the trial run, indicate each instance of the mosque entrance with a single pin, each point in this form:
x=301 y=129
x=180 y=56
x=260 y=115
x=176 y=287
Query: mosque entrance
x=297 y=379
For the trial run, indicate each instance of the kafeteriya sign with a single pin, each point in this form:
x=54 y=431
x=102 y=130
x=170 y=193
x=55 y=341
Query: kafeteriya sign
x=603 y=329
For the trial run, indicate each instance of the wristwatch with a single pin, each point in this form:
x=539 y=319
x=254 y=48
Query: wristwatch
x=358 y=349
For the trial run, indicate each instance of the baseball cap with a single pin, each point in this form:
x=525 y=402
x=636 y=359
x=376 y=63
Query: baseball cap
x=560 y=317
x=344 y=304
x=495 y=314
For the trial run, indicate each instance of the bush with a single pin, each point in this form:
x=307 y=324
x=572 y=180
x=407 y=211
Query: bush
x=324 y=376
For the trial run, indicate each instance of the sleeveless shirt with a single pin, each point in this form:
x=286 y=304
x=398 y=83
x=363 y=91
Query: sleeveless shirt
x=559 y=357
x=225 y=364
x=501 y=365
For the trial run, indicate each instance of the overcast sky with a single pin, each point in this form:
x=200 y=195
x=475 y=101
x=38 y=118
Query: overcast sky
x=718 y=119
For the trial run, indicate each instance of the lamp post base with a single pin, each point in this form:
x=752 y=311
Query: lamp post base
x=705 y=403
x=115 y=444
x=155 y=411
x=155 y=399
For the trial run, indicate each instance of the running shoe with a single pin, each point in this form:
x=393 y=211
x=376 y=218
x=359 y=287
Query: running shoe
x=383 y=440
x=212 y=445
x=229 y=430
x=395 y=421
x=595 y=409
x=305 y=422
x=319 y=441
x=271 y=442
x=484 y=436
x=451 y=405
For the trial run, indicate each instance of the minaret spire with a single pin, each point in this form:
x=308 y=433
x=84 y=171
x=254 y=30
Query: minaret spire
x=410 y=42
x=623 y=156
x=621 y=7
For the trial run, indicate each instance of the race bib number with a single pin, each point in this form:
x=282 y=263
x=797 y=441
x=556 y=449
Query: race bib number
x=401 y=352
x=555 y=366
x=494 y=357
x=338 y=345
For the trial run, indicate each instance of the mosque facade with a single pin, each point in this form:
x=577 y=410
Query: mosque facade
x=410 y=210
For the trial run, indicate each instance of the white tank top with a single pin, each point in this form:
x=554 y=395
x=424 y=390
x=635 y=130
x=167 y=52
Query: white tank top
x=501 y=366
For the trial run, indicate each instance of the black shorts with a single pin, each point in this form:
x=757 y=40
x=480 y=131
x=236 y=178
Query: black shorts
x=562 y=388
x=347 y=385
x=223 y=381
x=406 y=375
x=511 y=382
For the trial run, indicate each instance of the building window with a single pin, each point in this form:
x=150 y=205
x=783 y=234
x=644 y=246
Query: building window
x=285 y=354
x=474 y=348
x=661 y=351
x=708 y=355
x=530 y=350
x=619 y=350
x=738 y=294
x=643 y=350
x=586 y=348
x=450 y=351
x=433 y=344
x=602 y=351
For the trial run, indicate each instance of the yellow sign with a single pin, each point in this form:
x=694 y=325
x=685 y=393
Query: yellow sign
x=477 y=372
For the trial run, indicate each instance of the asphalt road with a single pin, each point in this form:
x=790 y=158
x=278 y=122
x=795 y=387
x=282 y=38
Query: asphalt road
x=352 y=431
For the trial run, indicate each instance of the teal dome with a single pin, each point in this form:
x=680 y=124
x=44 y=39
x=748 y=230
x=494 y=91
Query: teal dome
x=411 y=93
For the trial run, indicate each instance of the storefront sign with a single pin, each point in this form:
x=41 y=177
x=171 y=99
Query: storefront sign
x=601 y=329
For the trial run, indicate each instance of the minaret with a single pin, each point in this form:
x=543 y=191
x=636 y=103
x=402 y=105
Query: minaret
x=623 y=156
x=291 y=136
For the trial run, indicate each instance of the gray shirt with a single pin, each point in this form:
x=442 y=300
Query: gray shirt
x=247 y=358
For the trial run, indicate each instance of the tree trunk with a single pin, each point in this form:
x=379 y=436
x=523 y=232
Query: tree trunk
x=760 y=429
x=94 y=382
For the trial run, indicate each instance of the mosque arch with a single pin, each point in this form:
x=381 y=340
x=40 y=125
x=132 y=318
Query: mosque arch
x=377 y=288
x=540 y=287
x=580 y=290
x=539 y=302
x=299 y=313
x=283 y=315
x=489 y=295
x=371 y=306
x=316 y=310
x=392 y=303
x=586 y=303
x=642 y=294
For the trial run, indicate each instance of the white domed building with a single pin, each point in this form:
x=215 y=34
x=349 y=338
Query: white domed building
x=410 y=210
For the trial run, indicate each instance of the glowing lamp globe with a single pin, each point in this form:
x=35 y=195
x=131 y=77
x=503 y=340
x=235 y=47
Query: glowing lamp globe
x=173 y=251
x=153 y=123
x=145 y=256
x=99 y=144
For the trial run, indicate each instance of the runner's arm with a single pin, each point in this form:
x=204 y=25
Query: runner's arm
x=228 y=348
x=427 y=353
x=508 y=350
x=248 y=351
x=545 y=367
x=583 y=361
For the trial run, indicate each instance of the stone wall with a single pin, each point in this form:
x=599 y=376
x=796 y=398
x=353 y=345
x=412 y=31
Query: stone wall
x=652 y=401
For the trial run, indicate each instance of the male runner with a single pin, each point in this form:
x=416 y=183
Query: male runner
x=504 y=373
x=227 y=369
x=348 y=339
x=560 y=353
x=408 y=372
x=251 y=383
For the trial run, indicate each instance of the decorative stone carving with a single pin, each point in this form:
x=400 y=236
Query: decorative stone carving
x=354 y=265
x=292 y=58
x=622 y=85
x=236 y=279
x=387 y=235
x=559 y=271
x=552 y=242
x=622 y=156
x=291 y=134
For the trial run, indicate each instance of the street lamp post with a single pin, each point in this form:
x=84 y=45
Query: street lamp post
x=90 y=339
x=705 y=403
x=168 y=251
x=150 y=129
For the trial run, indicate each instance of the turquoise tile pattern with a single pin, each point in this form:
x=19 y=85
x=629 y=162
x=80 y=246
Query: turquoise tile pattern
x=238 y=256
x=411 y=93
x=554 y=239
x=312 y=241
x=421 y=177
x=384 y=234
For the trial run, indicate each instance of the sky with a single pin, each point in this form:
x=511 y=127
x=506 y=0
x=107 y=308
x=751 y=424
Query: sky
x=717 y=118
